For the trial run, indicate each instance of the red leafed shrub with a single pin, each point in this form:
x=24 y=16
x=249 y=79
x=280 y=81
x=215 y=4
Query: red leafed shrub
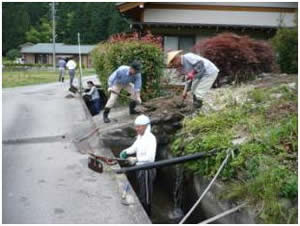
x=239 y=58
x=146 y=38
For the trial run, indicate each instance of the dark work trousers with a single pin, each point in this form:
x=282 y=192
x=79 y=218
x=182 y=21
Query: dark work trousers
x=145 y=180
x=95 y=106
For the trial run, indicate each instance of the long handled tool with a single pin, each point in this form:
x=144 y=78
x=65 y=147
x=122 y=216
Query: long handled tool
x=122 y=95
x=108 y=161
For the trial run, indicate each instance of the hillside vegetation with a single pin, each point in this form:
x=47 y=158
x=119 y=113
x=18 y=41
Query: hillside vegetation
x=259 y=121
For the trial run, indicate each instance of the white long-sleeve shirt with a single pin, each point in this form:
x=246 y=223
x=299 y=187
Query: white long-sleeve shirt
x=94 y=93
x=71 y=65
x=144 y=147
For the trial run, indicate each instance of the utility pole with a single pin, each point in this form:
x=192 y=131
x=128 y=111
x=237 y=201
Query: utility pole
x=80 y=69
x=53 y=35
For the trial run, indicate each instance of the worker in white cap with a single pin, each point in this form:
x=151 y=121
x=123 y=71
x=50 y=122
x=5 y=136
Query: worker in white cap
x=200 y=72
x=145 y=149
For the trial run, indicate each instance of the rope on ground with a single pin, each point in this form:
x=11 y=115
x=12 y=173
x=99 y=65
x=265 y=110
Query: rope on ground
x=223 y=214
x=206 y=190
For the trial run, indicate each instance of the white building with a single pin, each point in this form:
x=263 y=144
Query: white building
x=182 y=24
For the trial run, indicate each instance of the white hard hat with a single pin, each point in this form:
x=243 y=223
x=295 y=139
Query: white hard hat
x=142 y=120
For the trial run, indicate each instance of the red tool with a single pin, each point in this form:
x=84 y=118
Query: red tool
x=108 y=161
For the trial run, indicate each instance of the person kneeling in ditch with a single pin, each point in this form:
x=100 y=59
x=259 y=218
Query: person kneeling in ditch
x=145 y=149
x=125 y=77
x=94 y=98
x=201 y=74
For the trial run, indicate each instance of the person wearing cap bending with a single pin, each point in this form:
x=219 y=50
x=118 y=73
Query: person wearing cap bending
x=125 y=77
x=200 y=72
x=145 y=149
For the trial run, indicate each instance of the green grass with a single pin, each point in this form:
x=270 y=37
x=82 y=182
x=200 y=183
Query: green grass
x=23 y=78
x=264 y=169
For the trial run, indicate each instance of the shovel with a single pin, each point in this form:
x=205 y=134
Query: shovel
x=108 y=161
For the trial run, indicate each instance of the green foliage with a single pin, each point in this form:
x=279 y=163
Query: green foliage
x=270 y=182
x=13 y=54
x=95 y=21
x=41 y=34
x=259 y=95
x=107 y=57
x=17 y=18
x=285 y=43
x=264 y=168
x=13 y=65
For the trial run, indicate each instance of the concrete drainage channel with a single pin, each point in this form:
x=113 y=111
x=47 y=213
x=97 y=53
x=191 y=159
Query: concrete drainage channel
x=175 y=191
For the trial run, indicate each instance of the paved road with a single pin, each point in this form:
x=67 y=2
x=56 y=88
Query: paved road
x=45 y=179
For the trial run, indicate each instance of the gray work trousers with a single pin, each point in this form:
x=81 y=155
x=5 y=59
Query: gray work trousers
x=145 y=179
x=72 y=75
x=61 y=73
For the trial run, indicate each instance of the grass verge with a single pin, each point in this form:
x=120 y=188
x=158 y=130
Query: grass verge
x=23 y=78
x=264 y=168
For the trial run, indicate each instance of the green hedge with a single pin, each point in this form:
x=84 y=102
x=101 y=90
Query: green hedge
x=107 y=57
x=285 y=43
x=13 y=65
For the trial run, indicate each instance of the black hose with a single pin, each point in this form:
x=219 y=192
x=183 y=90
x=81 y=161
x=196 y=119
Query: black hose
x=166 y=162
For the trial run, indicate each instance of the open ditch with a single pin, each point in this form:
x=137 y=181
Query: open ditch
x=175 y=190
x=173 y=193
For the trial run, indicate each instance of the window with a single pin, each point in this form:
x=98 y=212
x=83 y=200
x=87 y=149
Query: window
x=178 y=42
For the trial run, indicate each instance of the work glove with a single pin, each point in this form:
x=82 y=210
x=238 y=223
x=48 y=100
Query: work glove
x=123 y=155
x=191 y=75
x=132 y=160
x=109 y=89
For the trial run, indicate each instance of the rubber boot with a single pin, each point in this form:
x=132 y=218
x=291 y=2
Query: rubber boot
x=62 y=79
x=197 y=103
x=105 y=115
x=132 y=106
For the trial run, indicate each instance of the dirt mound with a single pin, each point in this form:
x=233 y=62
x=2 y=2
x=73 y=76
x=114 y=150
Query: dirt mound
x=168 y=104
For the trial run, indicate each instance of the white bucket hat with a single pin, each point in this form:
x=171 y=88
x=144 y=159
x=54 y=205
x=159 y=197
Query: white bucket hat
x=172 y=55
x=142 y=120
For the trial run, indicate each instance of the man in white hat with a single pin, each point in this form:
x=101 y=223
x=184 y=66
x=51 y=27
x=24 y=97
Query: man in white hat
x=201 y=73
x=145 y=149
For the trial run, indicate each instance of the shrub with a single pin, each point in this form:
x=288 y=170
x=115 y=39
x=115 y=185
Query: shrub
x=14 y=65
x=237 y=57
x=122 y=50
x=13 y=54
x=285 y=43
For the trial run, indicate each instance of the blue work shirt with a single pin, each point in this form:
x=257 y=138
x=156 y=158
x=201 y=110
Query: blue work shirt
x=121 y=76
x=62 y=63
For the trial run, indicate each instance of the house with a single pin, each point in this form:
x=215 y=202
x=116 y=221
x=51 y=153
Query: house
x=182 y=24
x=42 y=53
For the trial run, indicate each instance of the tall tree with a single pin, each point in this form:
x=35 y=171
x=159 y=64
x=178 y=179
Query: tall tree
x=43 y=32
x=95 y=21
x=17 y=17
x=14 y=27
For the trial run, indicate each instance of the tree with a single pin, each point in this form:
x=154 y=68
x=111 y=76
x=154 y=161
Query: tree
x=43 y=33
x=285 y=43
x=96 y=21
x=13 y=54
x=14 y=27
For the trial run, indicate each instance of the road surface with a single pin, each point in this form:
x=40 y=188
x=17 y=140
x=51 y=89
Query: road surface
x=44 y=177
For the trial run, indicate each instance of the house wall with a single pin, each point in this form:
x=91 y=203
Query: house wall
x=28 y=58
x=218 y=17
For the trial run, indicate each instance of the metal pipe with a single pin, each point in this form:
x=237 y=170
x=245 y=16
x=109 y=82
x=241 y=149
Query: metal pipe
x=223 y=214
x=167 y=162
